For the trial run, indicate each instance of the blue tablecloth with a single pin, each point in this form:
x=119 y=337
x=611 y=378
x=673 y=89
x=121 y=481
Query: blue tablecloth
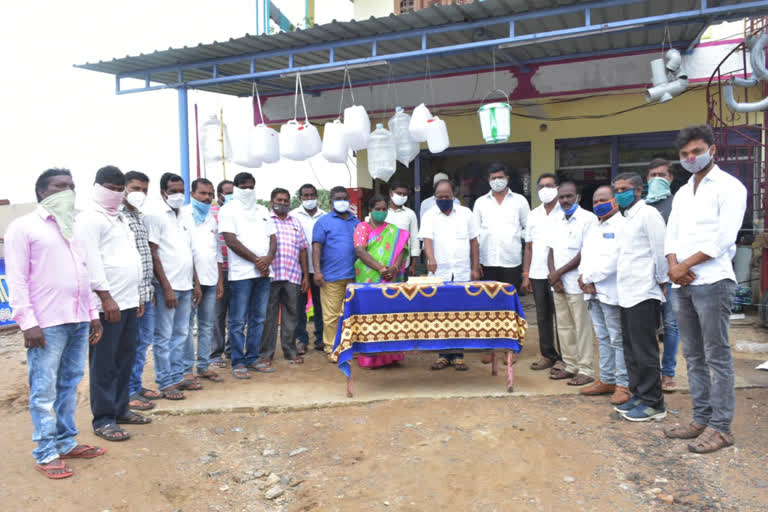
x=400 y=317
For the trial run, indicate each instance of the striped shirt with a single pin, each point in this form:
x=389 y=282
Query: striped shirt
x=222 y=246
x=290 y=241
x=136 y=223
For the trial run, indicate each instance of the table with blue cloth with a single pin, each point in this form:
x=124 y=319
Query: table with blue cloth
x=403 y=317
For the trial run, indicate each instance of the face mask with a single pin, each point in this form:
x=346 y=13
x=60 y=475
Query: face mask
x=175 y=201
x=399 y=200
x=281 y=209
x=108 y=200
x=445 y=205
x=228 y=198
x=61 y=205
x=571 y=210
x=696 y=164
x=136 y=199
x=309 y=204
x=245 y=196
x=199 y=210
x=658 y=189
x=547 y=195
x=605 y=208
x=498 y=184
x=379 y=216
x=341 y=206
x=625 y=198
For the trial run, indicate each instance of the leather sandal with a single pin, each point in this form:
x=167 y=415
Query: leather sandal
x=580 y=380
x=690 y=431
x=561 y=375
x=542 y=363
x=440 y=363
x=710 y=441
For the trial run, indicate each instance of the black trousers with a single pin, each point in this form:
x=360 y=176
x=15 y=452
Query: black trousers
x=110 y=365
x=283 y=305
x=220 y=341
x=545 y=317
x=511 y=275
x=641 y=351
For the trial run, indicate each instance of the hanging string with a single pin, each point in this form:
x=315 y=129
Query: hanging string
x=428 y=82
x=666 y=40
x=255 y=92
x=393 y=87
x=299 y=87
x=347 y=78
x=494 y=87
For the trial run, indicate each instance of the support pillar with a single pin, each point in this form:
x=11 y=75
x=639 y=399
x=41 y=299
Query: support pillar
x=184 y=140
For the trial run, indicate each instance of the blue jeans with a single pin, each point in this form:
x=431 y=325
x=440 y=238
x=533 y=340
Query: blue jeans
x=144 y=339
x=248 y=300
x=703 y=312
x=671 y=337
x=302 y=336
x=205 y=313
x=606 y=320
x=54 y=373
x=171 y=329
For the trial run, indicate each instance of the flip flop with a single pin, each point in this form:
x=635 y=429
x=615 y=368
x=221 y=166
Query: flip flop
x=240 y=373
x=189 y=385
x=110 y=432
x=83 y=451
x=173 y=393
x=262 y=367
x=55 y=465
x=211 y=376
x=151 y=394
x=134 y=419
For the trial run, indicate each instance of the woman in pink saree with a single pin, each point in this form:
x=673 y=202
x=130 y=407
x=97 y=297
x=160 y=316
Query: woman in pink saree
x=382 y=250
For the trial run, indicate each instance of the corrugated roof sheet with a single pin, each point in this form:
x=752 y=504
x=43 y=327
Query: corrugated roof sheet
x=435 y=16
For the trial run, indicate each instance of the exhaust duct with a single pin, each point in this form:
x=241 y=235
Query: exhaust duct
x=756 y=45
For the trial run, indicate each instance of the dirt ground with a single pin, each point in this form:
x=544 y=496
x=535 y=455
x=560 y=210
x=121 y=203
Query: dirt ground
x=507 y=452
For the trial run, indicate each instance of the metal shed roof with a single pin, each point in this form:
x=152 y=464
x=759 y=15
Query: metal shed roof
x=456 y=37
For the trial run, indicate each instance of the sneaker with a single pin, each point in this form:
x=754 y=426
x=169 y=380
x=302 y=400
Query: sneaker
x=627 y=406
x=643 y=412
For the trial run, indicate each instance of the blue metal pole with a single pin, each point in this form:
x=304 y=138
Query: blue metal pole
x=184 y=140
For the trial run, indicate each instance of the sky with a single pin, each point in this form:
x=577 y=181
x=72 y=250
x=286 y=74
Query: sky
x=55 y=115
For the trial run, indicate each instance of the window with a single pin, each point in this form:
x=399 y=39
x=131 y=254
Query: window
x=403 y=6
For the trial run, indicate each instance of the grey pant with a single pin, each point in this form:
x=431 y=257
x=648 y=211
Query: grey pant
x=219 y=342
x=283 y=296
x=703 y=313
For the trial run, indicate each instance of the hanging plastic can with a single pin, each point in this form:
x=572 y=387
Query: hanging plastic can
x=335 y=145
x=405 y=147
x=264 y=144
x=494 y=121
x=381 y=154
x=215 y=140
x=245 y=154
x=418 y=124
x=358 y=127
x=309 y=139
x=290 y=145
x=437 y=135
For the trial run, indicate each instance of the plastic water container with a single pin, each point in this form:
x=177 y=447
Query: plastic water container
x=290 y=144
x=495 y=122
x=406 y=148
x=418 y=124
x=437 y=135
x=214 y=148
x=264 y=143
x=382 y=160
x=335 y=145
x=246 y=155
x=309 y=139
x=358 y=127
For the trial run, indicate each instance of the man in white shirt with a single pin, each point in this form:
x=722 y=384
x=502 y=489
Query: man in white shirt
x=204 y=231
x=307 y=214
x=597 y=279
x=536 y=272
x=449 y=233
x=574 y=325
x=176 y=286
x=405 y=218
x=707 y=213
x=640 y=277
x=114 y=269
x=250 y=237
x=429 y=203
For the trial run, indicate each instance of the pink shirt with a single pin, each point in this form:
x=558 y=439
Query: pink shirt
x=47 y=276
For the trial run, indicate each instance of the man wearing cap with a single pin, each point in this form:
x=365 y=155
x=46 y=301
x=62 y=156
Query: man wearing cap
x=429 y=202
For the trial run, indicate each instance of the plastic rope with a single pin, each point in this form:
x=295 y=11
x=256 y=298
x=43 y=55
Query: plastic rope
x=255 y=91
x=493 y=81
x=299 y=87
x=347 y=79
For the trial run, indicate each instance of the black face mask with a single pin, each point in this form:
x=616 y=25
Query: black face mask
x=281 y=209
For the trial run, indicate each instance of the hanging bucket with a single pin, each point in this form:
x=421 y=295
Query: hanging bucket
x=335 y=145
x=495 y=122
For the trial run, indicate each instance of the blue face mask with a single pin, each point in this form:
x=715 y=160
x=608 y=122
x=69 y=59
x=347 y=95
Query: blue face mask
x=626 y=198
x=605 y=208
x=199 y=210
x=658 y=189
x=445 y=205
x=571 y=210
x=228 y=198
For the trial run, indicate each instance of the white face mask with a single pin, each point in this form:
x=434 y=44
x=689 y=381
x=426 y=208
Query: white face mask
x=498 y=184
x=309 y=204
x=175 y=201
x=547 y=195
x=136 y=199
x=399 y=200
x=696 y=164
x=341 y=206
x=245 y=196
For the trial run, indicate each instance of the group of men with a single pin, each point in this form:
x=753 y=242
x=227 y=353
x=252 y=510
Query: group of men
x=121 y=276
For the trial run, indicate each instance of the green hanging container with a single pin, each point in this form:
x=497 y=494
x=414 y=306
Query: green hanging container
x=495 y=122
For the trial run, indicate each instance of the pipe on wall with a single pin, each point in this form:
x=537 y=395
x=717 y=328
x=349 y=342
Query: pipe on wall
x=663 y=89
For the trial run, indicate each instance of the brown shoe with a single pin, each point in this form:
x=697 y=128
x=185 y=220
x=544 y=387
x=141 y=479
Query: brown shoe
x=710 y=441
x=561 y=375
x=690 y=431
x=598 y=388
x=621 y=395
x=542 y=364
x=668 y=384
x=580 y=380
